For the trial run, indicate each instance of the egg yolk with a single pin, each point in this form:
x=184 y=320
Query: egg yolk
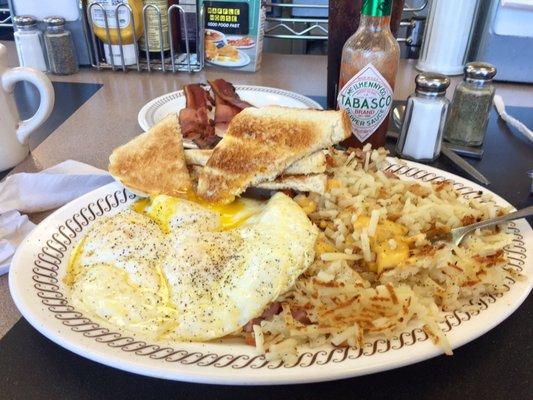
x=162 y=208
x=73 y=267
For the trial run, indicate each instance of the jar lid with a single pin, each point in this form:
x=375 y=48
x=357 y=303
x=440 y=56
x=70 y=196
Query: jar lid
x=431 y=83
x=54 y=21
x=480 y=70
x=24 y=20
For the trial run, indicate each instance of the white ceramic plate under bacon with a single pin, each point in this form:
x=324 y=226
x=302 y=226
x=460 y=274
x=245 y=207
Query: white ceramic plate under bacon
x=260 y=96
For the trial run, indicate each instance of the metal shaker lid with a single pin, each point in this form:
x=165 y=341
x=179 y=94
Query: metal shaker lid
x=24 y=20
x=54 y=21
x=480 y=70
x=430 y=83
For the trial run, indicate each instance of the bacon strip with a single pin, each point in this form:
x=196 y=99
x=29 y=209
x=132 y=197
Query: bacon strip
x=226 y=91
x=194 y=118
x=196 y=96
x=227 y=104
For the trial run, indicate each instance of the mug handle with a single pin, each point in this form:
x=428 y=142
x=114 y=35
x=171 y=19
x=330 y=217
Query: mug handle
x=46 y=91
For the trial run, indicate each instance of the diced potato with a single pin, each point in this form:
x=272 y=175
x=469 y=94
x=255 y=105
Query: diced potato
x=333 y=184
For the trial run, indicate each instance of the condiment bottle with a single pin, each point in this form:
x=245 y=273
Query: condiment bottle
x=29 y=42
x=424 y=118
x=151 y=40
x=59 y=47
x=472 y=99
x=343 y=20
x=368 y=71
x=191 y=9
x=105 y=14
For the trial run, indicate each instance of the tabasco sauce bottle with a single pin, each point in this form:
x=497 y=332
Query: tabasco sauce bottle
x=368 y=71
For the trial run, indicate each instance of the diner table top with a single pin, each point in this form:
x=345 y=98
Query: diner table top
x=96 y=111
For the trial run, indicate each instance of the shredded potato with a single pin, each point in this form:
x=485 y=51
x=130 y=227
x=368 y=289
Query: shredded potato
x=375 y=274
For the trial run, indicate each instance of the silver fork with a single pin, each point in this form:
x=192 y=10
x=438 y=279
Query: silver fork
x=456 y=235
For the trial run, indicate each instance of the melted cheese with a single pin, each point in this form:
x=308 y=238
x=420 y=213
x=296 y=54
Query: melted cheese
x=387 y=256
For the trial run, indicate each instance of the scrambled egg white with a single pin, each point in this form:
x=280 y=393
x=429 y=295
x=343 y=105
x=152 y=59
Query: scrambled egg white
x=183 y=270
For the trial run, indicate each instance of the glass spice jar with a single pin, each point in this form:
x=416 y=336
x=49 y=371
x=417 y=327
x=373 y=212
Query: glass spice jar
x=425 y=114
x=60 y=47
x=29 y=43
x=469 y=112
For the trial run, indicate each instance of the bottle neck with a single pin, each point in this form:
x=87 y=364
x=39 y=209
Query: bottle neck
x=375 y=24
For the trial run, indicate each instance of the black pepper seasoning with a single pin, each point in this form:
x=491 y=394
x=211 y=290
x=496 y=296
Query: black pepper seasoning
x=60 y=48
x=469 y=112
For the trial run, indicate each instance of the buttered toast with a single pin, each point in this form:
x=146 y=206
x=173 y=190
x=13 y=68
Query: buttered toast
x=153 y=163
x=261 y=143
x=312 y=164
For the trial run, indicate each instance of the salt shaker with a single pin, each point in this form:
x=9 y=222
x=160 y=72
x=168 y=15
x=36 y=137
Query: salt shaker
x=29 y=43
x=425 y=115
x=59 y=47
x=470 y=108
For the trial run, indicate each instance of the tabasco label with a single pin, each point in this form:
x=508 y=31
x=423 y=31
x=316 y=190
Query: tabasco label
x=367 y=98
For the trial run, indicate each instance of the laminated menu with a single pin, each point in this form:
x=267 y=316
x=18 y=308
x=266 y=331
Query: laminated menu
x=234 y=32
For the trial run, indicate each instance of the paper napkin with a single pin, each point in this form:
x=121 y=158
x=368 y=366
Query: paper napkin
x=42 y=191
x=500 y=107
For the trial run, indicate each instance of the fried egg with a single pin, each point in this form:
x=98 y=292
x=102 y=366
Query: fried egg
x=115 y=274
x=186 y=270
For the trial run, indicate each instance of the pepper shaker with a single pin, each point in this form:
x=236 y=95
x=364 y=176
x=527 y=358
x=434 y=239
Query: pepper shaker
x=59 y=46
x=421 y=135
x=470 y=108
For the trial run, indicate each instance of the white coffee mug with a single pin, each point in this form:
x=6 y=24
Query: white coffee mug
x=14 y=133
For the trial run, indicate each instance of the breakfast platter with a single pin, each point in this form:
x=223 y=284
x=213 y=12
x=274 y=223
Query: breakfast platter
x=37 y=284
x=239 y=237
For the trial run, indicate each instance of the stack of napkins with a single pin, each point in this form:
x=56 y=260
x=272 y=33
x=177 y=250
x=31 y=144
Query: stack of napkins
x=42 y=191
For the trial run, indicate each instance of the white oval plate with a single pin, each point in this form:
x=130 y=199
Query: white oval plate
x=40 y=263
x=244 y=59
x=259 y=96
